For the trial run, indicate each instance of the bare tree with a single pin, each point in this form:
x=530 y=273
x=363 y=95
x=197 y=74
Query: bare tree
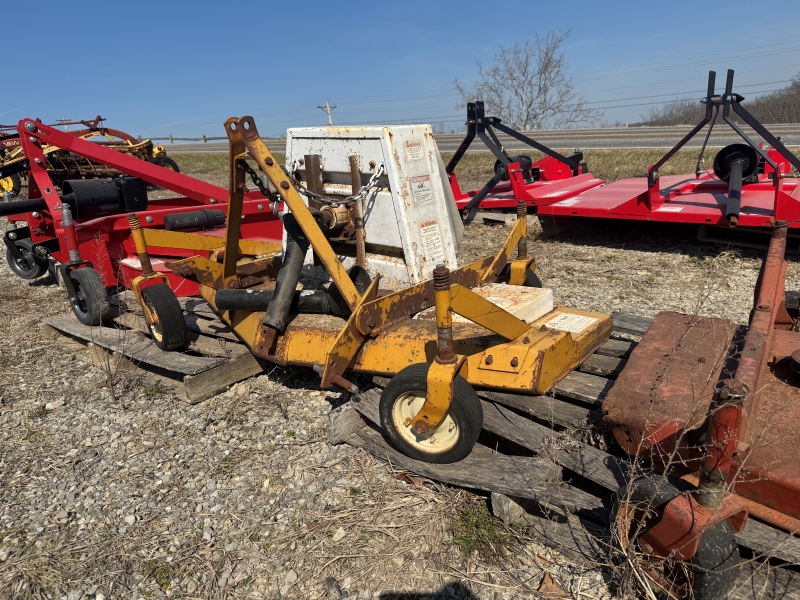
x=528 y=86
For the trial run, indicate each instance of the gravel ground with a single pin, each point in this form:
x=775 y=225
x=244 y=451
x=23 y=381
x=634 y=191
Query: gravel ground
x=116 y=489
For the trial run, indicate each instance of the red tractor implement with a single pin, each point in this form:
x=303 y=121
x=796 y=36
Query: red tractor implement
x=550 y=179
x=746 y=187
x=84 y=225
x=716 y=405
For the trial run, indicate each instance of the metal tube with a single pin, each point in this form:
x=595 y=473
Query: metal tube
x=140 y=244
x=734 y=193
x=69 y=233
x=355 y=179
x=522 y=245
x=444 y=315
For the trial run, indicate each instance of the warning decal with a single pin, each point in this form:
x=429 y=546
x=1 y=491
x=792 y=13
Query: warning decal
x=414 y=151
x=432 y=242
x=421 y=189
x=570 y=322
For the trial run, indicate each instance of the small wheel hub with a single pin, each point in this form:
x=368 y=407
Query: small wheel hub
x=437 y=439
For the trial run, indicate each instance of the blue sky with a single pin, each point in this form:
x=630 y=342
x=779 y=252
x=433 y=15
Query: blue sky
x=155 y=68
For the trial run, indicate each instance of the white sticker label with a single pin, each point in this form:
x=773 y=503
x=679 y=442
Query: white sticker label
x=670 y=209
x=570 y=322
x=432 y=242
x=569 y=202
x=421 y=189
x=414 y=151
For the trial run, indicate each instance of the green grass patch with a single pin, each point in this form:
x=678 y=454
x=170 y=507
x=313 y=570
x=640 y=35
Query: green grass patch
x=204 y=163
x=476 y=529
x=159 y=571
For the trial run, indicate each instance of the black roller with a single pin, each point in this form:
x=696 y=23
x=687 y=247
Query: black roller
x=297 y=245
x=525 y=164
x=91 y=198
x=196 y=219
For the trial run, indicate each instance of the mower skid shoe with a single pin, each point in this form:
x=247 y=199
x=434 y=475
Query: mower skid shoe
x=297 y=244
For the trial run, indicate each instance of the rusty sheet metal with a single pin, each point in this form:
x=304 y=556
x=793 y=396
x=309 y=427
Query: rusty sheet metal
x=769 y=471
x=667 y=385
x=209 y=272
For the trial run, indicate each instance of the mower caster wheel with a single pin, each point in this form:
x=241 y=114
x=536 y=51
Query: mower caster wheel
x=710 y=574
x=10 y=185
x=448 y=442
x=164 y=316
x=32 y=266
x=90 y=303
x=531 y=278
x=170 y=164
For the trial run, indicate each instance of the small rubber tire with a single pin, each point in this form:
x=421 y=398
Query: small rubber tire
x=12 y=184
x=90 y=304
x=713 y=566
x=531 y=278
x=465 y=417
x=170 y=164
x=36 y=266
x=168 y=327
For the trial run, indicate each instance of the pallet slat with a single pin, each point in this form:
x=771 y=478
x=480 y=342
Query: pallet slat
x=133 y=346
x=627 y=324
x=618 y=348
x=584 y=387
x=605 y=366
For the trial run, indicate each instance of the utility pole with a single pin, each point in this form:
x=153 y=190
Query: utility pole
x=328 y=108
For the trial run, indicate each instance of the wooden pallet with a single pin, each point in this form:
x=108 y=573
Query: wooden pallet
x=213 y=360
x=527 y=480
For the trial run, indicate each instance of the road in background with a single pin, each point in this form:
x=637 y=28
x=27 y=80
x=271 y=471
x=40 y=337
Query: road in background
x=585 y=139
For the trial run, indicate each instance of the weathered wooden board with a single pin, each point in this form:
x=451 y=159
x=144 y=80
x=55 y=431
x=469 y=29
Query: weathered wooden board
x=196 y=342
x=545 y=408
x=513 y=475
x=627 y=324
x=604 y=366
x=213 y=381
x=133 y=345
x=584 y=387
x=618 y=348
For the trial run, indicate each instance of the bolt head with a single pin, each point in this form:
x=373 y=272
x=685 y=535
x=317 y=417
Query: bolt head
x=285 y=185
x=489 y=360
x=269 y=161
x=260 y=207
x=514 y=362
x=213 y=201
x=12 y=236
x=30 y=126
x=38 y=161
x=149 y=219
x=32 y=139
x=48 y=191
x=35 y=215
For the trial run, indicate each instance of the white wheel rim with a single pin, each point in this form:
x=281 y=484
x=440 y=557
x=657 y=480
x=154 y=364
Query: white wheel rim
x=440 y=439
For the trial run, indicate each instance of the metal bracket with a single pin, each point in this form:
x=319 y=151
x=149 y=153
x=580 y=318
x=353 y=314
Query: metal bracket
x=439 y=394
x=519 y=269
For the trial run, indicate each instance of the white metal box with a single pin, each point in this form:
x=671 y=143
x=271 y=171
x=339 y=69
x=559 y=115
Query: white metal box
x=411 y=219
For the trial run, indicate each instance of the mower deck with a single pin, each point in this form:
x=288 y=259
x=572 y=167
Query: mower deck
x=682 y=198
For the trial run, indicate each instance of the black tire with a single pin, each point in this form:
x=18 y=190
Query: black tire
x=90 y=303
x=465 y=414
x=170 y=164
x=531 y=278
x=712 y=569
x=165 y=318
x=33 y=266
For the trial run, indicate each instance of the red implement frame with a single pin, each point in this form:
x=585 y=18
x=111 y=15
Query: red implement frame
x=726 y=408
x=700 y=198
x=105 y=241
x=550 y=179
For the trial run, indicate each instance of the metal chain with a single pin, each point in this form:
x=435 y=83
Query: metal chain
x=258 y=182
x=373 y=181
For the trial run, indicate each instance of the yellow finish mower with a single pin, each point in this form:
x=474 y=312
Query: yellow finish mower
x=378 y=223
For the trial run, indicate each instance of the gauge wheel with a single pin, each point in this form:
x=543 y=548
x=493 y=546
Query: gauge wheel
x=170 y=164
x=448 y=442
x=711 y=573
x=531 y=278
x=90 y=303
x=164 y=316
x=32 y=267
x=10 y=185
